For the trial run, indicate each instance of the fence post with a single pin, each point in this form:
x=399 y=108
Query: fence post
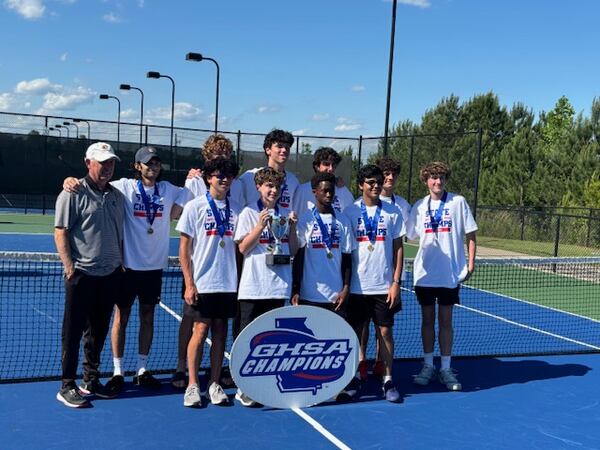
x=410 y=168
x=360 y=140
x=522 y=222
x=297 y=154
x=238 y=149
x=146 y=135
x=477 y=170
x=589 y=228
x=557 y=236
x=46 y=164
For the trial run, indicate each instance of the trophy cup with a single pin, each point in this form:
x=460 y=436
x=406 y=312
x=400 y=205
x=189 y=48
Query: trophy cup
x=279 y=227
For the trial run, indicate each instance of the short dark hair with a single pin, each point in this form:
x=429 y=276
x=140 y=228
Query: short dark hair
x=369 y=171
x=387 y=164
x=321 y=177
x=435 y=168
x=225 y=166
x=325 y=154
x=268 y=174
x=278 y=136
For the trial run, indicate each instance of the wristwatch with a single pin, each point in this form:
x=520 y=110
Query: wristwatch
x=398 y=281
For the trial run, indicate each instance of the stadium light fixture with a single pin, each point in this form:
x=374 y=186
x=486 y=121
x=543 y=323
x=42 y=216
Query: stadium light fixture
x=191 y=56
x=128 y=87
x=106 y=97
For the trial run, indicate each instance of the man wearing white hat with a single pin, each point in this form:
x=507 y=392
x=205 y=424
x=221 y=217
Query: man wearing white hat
x=88 y=234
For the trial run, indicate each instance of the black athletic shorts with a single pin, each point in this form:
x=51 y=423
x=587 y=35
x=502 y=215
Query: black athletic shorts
x=364 y=307
x=427 y=296
x=220 y=305
x=143 y=284
x=329 y=306
x=251 y=309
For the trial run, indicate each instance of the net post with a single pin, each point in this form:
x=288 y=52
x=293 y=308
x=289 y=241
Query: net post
x=410 y=168
x=238 y=145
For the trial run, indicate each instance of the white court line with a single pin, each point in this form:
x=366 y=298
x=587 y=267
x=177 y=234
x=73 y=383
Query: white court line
x=316 y=425
x=502 y=319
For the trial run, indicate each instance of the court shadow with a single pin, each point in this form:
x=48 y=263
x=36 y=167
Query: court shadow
x=488 y=373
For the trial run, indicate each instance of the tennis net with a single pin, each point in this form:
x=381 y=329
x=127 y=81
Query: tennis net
x=508 y=308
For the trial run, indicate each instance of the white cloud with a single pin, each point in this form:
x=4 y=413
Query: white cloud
x=301 y=132
x=417 y=3
x=183 y=111
x=268 y=109
x=140 y=3
x=129 y=113
x=64 y=56
x=6 y=100
x=320 y=116
x=36 y=86
x=357 y=88
x=346 y=124
x=67 y=100
x=29 y=9
x=111 y=17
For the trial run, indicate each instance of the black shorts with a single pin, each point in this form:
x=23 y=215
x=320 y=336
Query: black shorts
x=361 y=308
x=219 y=305
x=427 y=296
x=251 y=309
x=328 y=306
x=143 y=284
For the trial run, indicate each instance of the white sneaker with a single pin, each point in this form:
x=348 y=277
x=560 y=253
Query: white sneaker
x=448 y=378
x=217 y=395
x=424 y=377
x=192 y=396
x=244 y=399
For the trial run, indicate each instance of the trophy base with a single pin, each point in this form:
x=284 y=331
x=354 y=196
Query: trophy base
x=276 y=260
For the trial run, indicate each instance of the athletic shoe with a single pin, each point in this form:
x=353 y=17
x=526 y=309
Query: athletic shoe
x=226 y=378
x=217 y=395
x=363 y=371
x=424 y=377
x=71 y=397
x=379 y=369
x=244 y=399
x=146 y=380
x=97 y=388
x=178 y=380
x=192 y=396
x=390 y=392
x=116 y=383
x=350 y=392
x=448 y=378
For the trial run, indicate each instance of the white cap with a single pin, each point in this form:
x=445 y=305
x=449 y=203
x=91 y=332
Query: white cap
x=100 y=151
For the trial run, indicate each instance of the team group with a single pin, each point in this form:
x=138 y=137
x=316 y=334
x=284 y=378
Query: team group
x=113 y=241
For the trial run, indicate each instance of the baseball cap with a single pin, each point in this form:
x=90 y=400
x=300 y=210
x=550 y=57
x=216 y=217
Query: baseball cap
x=145 y=154
x=100 y=151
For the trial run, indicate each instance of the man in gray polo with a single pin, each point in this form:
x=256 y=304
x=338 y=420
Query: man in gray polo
x=88 y=234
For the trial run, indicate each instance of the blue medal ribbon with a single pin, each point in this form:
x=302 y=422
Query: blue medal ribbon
x=327 y=238
x=436 y=218
x=370 y=223
x=150 y=206
x=221 y=222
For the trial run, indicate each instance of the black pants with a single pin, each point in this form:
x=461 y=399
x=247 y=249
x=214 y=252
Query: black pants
x=89 y=302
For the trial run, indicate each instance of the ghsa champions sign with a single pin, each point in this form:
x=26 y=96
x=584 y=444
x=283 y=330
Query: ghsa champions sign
x=295 y=356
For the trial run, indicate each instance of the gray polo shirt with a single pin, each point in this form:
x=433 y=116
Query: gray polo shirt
x=94 y=221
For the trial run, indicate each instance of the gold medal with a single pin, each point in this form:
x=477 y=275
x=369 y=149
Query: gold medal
x=222 y=243
x=370 y=247
x=150 y=230
x=329 y=255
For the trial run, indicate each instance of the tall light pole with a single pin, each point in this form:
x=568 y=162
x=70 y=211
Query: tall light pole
x=198 y=57
x=88 y=126
x=127 y=87
x=55 y=129
x=76 y=127
x=106 y=97
x=66 y=128
x=389 y=82
x=157 y=75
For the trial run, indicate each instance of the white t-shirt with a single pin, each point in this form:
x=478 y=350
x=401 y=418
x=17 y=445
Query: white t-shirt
x=401 y=203
x=373 y=271
x=260 y=281
x=304 y=199
x=322 y=277
x=143 y=250
x=197 y=187
x=440 y=261
x=214 y=267
x=249 y=193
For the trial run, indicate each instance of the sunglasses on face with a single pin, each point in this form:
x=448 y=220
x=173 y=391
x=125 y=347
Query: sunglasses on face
x=372 y=183
x=222 y=176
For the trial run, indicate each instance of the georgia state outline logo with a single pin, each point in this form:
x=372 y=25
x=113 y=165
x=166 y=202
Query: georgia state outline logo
x=300 y=361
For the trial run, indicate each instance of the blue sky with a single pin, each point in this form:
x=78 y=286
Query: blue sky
x=315 y=67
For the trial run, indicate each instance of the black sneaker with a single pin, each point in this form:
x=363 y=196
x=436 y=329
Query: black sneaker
x=96 y=388
x=146 y=380
x=71 y=397
x=350 y=392
x=116 y=383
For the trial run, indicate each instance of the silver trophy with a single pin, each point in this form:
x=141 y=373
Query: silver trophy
x=279 y=227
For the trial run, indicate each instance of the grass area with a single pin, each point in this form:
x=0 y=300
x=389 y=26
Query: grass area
x=566 y=290
x=536 y=248
x=26 y=223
